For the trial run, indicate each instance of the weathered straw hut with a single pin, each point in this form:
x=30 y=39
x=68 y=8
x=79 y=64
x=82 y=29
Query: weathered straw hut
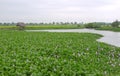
x=20 y=25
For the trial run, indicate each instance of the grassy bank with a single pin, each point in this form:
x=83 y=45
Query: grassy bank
x=109 y=28
x=7 y=27
x=56 y=54
x=39 y=27
x=42 y=27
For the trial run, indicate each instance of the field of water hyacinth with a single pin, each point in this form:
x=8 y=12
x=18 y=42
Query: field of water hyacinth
x=56 y=54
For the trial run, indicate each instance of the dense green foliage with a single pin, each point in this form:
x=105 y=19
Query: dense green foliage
x=116 y=29
x=115 y=23
x=56 y=54
x=92 y=25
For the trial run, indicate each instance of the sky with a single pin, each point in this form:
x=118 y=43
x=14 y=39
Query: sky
x=59 y=10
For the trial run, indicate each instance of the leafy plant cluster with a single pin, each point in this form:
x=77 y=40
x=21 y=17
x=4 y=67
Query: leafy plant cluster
x=56 y=54
x=92 y=25
x=115 y=24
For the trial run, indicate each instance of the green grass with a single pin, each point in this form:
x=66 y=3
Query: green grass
x=56 y=54
x=53 y=27
x=39 y=27
x=42 y=27
x=7 y=27
x=109 y=28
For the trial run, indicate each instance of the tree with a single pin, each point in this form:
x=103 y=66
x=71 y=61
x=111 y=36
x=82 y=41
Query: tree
x=75 y=23
x=61 y=23
x=53 y=23
x=0 y=23
x=115 y=23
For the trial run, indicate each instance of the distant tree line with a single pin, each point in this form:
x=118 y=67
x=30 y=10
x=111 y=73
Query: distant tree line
x=96 y=24
x=12 y=23
x=99 y=24
x=42 y=23
x=87 y=25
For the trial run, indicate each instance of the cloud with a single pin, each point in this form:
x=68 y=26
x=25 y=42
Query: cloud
x=59 y=10
x=114 y=6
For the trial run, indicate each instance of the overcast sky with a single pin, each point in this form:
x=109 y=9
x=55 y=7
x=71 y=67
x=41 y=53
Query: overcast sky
x=59 y=10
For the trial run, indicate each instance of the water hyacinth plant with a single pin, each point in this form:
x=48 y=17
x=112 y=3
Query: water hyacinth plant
x=56 y=54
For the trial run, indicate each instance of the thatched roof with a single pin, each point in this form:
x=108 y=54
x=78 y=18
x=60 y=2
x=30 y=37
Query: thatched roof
x=20 y=24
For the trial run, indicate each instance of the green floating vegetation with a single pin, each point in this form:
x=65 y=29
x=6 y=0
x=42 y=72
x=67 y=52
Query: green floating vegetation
x=56 y=54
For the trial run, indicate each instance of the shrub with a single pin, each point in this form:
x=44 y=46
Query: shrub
x=115 y=23
x=91 y=25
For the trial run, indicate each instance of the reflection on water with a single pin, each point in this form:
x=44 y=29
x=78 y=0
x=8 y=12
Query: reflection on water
x=110 y=37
